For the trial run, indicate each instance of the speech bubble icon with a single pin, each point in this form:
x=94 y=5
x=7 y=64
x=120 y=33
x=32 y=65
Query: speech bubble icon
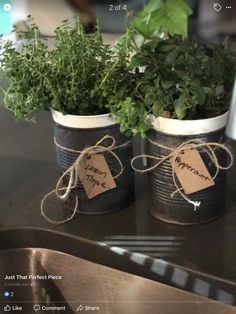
x=36 y=307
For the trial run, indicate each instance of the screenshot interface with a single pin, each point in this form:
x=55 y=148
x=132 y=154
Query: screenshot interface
x=114 y=158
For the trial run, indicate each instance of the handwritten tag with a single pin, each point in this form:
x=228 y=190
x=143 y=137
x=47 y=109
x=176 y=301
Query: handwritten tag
x=95 y=175
x=192 y=172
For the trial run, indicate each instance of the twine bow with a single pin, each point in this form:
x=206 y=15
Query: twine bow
x=72 y=173
x=208 y=148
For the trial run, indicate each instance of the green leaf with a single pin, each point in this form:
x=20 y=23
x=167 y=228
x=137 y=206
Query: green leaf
x=150 y=97
x=173 y=17
x=171 y=57
x=143 y=22
x=180 y=107
x=158 y=109
x=166 y=84
x=158 y=16
x=136 y=61
x=198 y=91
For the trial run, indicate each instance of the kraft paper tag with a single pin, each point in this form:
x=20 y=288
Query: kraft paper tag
x=192 y=172
x=95 y=175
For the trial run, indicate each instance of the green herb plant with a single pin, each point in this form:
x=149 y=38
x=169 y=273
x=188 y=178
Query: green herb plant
x=172 y=75
x=72 y=78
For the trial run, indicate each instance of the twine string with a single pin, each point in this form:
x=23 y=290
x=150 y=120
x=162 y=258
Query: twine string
x=74 y=211
x=72 y=173
x=208 y=148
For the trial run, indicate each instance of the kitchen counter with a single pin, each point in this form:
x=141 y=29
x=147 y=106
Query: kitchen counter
x=201 y=259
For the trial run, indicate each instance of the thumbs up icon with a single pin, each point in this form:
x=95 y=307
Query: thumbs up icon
x=7 y=308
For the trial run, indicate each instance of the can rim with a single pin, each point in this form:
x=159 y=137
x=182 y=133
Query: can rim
x=83 y=122
x=189 y=127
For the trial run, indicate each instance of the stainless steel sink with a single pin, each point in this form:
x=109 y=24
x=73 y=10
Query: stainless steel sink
x=65 y=274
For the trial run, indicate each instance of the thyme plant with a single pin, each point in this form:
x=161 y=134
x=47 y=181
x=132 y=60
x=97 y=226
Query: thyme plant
x=72 y=78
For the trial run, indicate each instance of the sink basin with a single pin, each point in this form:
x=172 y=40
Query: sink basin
x=59 y=273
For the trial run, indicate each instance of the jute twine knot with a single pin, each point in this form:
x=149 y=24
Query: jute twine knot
x=63 y=191
x=208 y=148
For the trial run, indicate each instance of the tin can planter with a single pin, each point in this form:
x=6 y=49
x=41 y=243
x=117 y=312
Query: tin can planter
x=78 y=133
x=172 y=133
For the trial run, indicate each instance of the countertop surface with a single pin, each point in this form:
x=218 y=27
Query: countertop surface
x=28 y=171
